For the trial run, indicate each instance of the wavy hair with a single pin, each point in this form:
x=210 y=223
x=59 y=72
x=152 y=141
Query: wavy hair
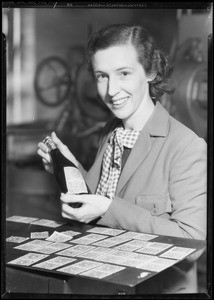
x=153 y=60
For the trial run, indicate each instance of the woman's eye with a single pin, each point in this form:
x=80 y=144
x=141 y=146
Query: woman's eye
x=101 y=77
x=124 y=74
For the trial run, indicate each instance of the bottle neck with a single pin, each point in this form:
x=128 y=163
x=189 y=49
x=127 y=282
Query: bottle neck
x=49 y=143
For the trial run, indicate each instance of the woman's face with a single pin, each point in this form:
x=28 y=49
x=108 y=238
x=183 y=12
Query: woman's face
x=121 y=80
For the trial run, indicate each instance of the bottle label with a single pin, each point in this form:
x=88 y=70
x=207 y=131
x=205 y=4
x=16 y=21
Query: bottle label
x=75 y=181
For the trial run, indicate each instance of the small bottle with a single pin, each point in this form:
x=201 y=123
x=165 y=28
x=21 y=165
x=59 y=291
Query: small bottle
x=67 y=175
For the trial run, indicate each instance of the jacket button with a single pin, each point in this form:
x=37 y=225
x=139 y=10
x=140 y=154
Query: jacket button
x=154 y=211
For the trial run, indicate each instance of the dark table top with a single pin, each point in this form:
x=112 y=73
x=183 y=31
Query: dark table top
x=129 y=276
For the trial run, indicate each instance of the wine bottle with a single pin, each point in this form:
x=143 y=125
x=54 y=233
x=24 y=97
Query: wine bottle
x=67 y=175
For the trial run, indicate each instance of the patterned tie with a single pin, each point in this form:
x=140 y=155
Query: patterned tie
x=111 y=165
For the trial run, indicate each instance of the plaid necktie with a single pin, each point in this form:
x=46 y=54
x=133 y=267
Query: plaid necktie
x=111 y=165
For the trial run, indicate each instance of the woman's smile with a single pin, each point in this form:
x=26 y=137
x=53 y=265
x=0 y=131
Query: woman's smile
x=120 y=102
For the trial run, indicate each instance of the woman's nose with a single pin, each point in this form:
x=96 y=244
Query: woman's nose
x=113 y=87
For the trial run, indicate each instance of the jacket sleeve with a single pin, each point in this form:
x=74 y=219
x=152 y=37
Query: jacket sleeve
x=187 y=190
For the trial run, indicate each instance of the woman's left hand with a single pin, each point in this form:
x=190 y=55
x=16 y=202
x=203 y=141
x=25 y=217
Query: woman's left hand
x=93 y=206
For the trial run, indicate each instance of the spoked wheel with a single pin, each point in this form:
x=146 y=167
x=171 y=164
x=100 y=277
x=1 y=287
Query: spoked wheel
x=52 y=81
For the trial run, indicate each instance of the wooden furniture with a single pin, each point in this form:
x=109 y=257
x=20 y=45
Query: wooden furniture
x=28 y=279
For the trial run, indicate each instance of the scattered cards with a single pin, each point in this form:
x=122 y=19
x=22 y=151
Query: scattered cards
x=95 y=253
x=21 y=219
x=52 y=248
x=177 y=252
x=90 y=238
x=54 y=263
x=39 y=235
x=154 y=247
x=131 y=245
x=75 y=250
x=28 y=259
x=138 y=236
x=80 y=267
x=16 y=239
x=103 y=271
x=158 y=264
x=33 y=245
x=47 y=223
x=112 y=241
x=106 y=230
x=59 y=237
x=71 y=232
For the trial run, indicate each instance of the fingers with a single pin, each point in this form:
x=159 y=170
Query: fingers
x=69 y=212
x=70 y=198
x=43 y=147
x=45 y=156
x=57 y=141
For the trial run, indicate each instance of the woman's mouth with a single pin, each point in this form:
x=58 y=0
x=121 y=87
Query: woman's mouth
x=119 y=102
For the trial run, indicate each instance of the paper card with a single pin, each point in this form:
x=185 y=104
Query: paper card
x=75 y=250
x=59 y=237
x=39 y=235
x=87 y=264
x=27 y=220
x=154 y=248
x=112 y=241
x=16 y=239
x=28 y=259
x=71 y=269
x=131 y=245
x=33 y=245
x=138 y=236
x=41 y=222
x=71 y=232
x=137 y=260
x=52 y=248
x=55 y=224
x=54 y=263
x=104 y=243
x=47 y=223
x=103 y=271
x=177 y=252
x=74 y=181
x=158 y=264
x=111 y=259
x=95 y=253
x=14 y=218
x=79 y=267
x=88 y=239
x=114 y=231
x=106 y=230
x=21 y=219
x=95 y=273
x=115 y=257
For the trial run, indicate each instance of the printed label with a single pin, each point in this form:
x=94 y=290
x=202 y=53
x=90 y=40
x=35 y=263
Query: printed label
x=75 y=181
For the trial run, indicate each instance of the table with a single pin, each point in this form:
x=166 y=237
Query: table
x=131 y=279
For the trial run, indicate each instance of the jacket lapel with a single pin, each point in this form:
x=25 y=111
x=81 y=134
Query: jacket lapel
x=135 y=159
x=93 y=175
x=156 y=126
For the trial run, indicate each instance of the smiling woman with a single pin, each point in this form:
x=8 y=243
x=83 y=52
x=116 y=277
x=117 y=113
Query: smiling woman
x=149 y=174
x=123 y=85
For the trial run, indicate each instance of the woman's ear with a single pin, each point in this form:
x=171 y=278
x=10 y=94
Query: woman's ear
x=151 y=77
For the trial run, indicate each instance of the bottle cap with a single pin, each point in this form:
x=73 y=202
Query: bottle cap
x=49 y=143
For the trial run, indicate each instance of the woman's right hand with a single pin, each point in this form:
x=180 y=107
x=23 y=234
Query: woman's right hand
x=43 y=151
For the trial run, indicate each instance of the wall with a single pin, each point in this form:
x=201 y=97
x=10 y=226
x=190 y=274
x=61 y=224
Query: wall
x=59 y=29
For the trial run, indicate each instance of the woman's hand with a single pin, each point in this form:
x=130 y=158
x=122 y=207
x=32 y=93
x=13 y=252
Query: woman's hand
x=93 y=206
x=43 y=151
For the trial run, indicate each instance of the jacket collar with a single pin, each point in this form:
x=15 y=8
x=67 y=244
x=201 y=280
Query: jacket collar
x=158 y=122
x=155 y=126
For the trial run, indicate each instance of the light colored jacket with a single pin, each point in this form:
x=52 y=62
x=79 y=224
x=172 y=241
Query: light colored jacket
x=162 y=187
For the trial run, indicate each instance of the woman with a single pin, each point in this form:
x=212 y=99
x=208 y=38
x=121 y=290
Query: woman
x=150 y=171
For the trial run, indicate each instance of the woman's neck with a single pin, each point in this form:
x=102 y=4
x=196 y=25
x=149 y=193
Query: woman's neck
x=140 y=116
